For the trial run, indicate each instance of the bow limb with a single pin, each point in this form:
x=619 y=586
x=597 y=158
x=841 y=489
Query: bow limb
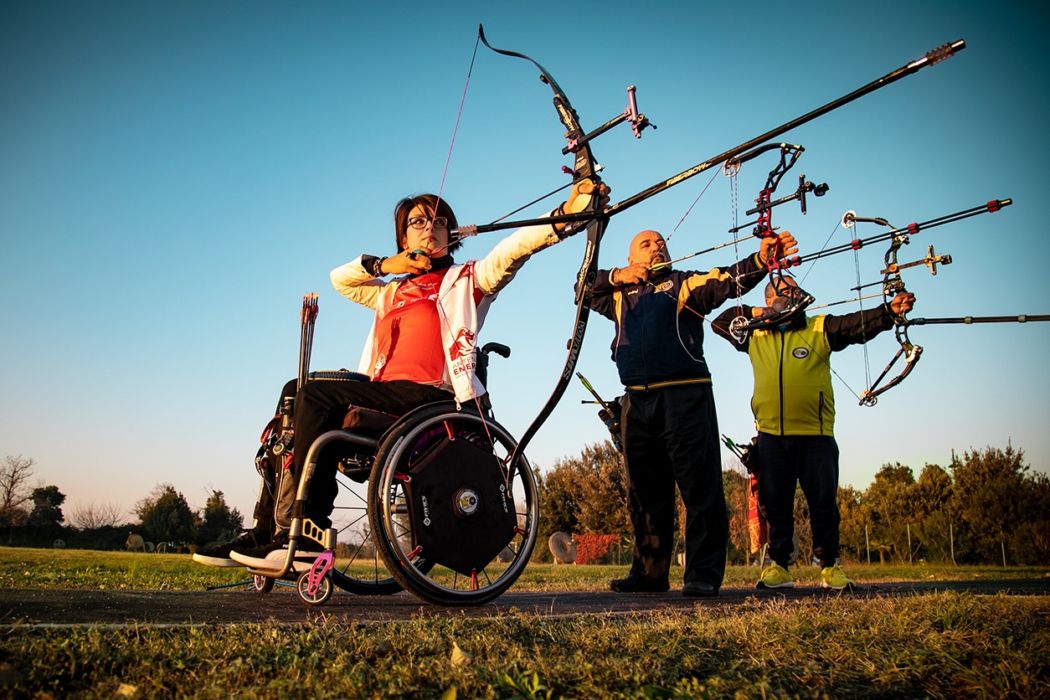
x=585 y=168
x=911 y=353
x=893 y=284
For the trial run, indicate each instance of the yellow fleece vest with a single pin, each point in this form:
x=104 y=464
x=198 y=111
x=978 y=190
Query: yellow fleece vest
x=793 y=394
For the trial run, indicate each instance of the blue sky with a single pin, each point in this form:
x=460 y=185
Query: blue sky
x=175 y=176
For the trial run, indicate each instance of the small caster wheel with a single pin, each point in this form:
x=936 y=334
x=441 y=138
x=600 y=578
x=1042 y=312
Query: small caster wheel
x=317 y=597
x=262 y=584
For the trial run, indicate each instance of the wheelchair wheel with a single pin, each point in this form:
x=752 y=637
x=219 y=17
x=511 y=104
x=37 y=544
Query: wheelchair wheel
x=358 y=566
x=262 y=584
x=453 y=523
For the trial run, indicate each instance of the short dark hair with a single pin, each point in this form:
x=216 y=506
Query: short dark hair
x=431 y=204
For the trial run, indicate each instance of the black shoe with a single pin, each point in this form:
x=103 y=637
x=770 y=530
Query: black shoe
x=698 y=589
x=637 y=584
x=219 y=554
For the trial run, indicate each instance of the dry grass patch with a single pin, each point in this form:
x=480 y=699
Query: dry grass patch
x=938 y=645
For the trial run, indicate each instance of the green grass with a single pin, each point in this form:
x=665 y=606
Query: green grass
x=934 y=645
x=940 y=645
x=73 y=568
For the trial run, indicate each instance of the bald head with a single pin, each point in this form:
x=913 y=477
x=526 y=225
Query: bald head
x=647 y=248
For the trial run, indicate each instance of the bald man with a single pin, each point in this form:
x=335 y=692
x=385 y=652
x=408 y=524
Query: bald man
x=670 y=431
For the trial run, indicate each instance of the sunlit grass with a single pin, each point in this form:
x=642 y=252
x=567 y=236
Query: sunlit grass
x=73 y=568
x=938 y=645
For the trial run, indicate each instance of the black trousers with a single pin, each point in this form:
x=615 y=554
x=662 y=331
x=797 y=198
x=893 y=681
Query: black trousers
x=670 y=436
x=812 y=461
x=319 y=407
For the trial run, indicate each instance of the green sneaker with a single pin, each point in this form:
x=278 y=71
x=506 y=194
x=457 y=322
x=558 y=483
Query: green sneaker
x=775 y=576
x=834 y=577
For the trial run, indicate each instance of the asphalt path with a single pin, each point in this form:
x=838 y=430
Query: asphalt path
x=51 y=608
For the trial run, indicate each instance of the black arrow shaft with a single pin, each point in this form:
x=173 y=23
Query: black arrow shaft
x=934 y=56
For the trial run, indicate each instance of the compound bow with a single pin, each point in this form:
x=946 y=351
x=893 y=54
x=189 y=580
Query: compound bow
x=796 y=300
x=893 y=284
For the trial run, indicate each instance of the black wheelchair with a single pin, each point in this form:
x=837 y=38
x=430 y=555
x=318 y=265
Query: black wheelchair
x=428 y=502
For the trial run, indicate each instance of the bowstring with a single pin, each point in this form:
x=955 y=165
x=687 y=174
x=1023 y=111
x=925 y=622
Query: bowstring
x=690 y=209
x=455 y=128
x=734 y=214
x=860 y=302
x=440 y=192
x=863 y=330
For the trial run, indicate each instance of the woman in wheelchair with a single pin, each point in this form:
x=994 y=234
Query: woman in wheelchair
x=420 y=349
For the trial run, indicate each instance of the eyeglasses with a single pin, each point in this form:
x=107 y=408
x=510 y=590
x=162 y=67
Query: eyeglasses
x=420 y=222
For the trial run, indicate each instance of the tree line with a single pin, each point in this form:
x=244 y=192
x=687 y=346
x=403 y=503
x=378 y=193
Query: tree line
x=34 y=517
x=986 y=507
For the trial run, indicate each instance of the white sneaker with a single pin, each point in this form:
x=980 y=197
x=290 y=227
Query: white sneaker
x=275 y=560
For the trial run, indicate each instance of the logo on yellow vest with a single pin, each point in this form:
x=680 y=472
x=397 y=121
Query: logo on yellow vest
x=800 y=353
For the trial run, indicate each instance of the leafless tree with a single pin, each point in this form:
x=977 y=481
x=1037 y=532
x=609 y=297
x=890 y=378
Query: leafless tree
x=15 y=472
x=95 y=515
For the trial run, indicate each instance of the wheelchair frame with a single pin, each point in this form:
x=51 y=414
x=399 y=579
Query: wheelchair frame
x=390 y=511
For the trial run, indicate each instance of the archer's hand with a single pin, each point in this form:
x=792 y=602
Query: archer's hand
x=580 y=198
x=406 y=262
x=637 y=273
x=902 y=303
x=787 y=246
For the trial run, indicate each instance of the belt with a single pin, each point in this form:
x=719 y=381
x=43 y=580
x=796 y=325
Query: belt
x=669 y=382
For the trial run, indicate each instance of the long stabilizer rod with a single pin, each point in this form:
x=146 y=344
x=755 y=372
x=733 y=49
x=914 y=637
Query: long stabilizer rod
x=934 y=56
x=1023 y=318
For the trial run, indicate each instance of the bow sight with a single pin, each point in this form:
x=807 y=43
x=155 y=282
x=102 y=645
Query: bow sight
x=630 y=114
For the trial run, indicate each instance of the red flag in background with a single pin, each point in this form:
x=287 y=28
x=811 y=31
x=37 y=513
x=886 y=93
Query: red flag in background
x=757 y=528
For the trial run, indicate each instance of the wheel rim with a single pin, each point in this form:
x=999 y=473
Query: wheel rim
x=262 y=584
x=321 y=595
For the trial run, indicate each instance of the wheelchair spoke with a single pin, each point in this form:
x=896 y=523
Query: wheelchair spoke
x=350 y=490
x=361 y=569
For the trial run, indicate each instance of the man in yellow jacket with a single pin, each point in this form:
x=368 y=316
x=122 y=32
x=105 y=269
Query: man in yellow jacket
x=794 y=408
